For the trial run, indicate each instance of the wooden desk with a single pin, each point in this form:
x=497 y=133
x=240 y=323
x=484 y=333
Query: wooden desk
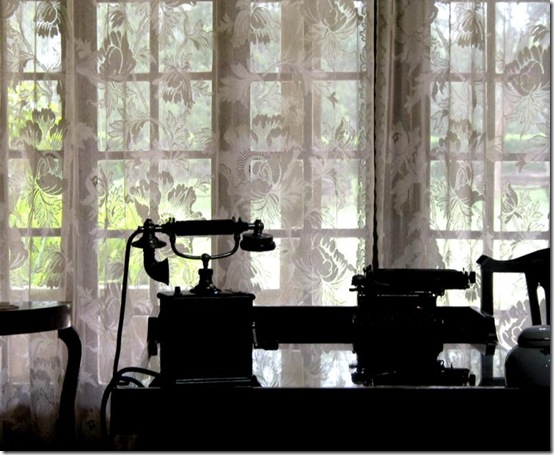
x=224 y=418
x=18 y=318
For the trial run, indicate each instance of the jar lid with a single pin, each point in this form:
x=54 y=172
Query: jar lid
x=536 y=336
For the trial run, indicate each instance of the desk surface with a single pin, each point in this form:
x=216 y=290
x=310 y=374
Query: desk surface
x=337 y=419
x=30 y=317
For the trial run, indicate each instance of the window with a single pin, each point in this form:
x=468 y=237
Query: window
x=33 y=164
x=193 y=123
x=407 y=133
x=489 y=129
x=490 y=144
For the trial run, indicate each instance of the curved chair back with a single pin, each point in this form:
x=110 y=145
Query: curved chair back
x=535 y=266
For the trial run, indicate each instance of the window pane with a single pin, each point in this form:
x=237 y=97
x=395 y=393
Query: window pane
x=265 y=26
x=185 y=36
x=36 y=197
x=523 y=197
x=123 y=33
x=340 y=197
x=35 y=116
x=185 y=113
x=124 y=117
x=35 y=43
x=185 y=188
x=456 y=195
x=38 y=263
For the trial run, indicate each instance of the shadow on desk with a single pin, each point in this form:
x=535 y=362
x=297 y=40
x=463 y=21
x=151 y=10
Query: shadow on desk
x=196 y=418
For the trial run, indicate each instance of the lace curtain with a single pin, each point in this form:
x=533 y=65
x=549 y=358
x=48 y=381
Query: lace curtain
x=402 y=133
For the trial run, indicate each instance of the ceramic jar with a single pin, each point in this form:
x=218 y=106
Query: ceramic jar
x=528 y=363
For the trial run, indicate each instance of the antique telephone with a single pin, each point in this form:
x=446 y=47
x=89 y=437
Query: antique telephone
x=192 y=324
x=159 y=271
x=204 y=334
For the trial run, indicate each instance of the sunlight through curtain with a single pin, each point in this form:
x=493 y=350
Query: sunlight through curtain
x=402 y=133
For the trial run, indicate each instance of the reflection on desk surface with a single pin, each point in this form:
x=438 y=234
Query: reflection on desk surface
x=302 y=365
x=31 y=305
x=331 y=365
x=7 y=306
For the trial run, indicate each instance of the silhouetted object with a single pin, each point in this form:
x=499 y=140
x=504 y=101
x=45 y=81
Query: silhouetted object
x=42 y=316
x=205 y=334
x=385 y=329
x=159 y=270
x=528 y=363
x=536 y=268
x=193 y=324
x=398 y=333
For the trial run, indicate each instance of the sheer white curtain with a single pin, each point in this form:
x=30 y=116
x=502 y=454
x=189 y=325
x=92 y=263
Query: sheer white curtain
x=463 y=143
x=394 y=133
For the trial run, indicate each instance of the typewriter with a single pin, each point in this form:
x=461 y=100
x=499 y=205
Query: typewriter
x=398 y=330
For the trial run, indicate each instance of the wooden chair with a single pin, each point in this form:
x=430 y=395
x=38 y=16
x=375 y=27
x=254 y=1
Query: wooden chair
x=536 y=268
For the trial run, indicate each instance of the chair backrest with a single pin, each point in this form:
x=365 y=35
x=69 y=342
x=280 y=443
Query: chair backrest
x=535 y=266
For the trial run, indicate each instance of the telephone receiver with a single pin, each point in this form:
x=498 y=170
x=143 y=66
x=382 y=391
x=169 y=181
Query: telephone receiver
x=157 y=270
x=255 y=241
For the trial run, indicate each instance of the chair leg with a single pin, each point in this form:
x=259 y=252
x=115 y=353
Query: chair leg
x=66 y=419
